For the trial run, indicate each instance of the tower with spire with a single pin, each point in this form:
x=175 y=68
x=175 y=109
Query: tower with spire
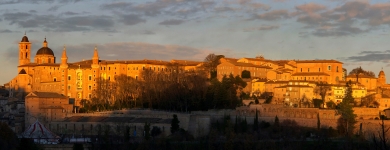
x=24 y=51
x=64 y=71
x=95 y=63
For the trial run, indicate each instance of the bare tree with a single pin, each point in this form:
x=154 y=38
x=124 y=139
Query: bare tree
x=322 y=89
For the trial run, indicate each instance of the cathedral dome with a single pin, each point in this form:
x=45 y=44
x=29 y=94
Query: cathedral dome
x=24 y=39
x=45 y=51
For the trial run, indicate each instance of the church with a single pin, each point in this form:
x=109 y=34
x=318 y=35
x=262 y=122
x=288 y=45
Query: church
x=75 y=79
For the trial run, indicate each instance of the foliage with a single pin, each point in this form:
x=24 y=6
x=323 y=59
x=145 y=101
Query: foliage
x=380 y=139
x=347 y=120
x=147 y=131
x=156 y=131
x=317 y=103
x=78 y=146
x=256 y=122
x=127 y=134
x=244 y=125
x=318 y=121
x=245 y=74
x=322 y=89
x=368 y=100
x=8 y=139
x=210 y=64
x=276 y=125
x=330 y=104
x=175 y=124
x=359 y=70
x=256 y=100
x=25 y=144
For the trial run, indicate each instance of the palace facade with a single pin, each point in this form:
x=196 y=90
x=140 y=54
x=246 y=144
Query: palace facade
x=75 y=79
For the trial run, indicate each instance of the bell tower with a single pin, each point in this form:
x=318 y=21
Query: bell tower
x=24 y=51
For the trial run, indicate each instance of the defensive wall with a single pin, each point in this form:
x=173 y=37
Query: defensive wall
x=198 y=122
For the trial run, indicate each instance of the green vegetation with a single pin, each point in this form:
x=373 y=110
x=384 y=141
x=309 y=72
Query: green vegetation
x=347 y=121
x=171 y=88
x=175 y=124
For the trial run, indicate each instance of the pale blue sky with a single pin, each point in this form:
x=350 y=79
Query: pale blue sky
x=354 y=32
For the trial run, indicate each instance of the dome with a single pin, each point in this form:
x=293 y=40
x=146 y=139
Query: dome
x=381 y=73
x=24 y=39
x=45 y=51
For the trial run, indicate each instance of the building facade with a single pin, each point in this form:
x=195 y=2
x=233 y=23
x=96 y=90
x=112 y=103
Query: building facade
x=76 y=80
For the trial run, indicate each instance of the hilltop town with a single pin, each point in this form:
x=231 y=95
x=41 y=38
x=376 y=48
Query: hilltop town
x=78 y=97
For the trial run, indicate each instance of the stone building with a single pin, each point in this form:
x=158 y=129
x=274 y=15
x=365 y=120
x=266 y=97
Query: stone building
x=76 y=79
x=46 y=107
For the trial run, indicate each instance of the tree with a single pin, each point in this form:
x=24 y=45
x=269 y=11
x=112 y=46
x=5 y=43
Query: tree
x=318 y=122
x=330 y=104
x=175 y=124
x=155 y=131
x=210 y=64
x=127 y=134
x=256 y=122
x=359 y=70
x=368 y=100
x=245 y=74
x=276 y=125
x=322 y=89
x=348 y=118
x=244 y=125
x=8 y=139
x=147 y=131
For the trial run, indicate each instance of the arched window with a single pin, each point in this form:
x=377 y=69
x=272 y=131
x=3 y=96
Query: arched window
x=79 y=76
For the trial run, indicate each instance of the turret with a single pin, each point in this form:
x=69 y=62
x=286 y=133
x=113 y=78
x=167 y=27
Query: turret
x=64 y=59
x=95 y=59
x=381 y=78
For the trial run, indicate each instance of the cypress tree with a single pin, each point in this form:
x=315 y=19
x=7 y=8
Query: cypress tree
x=318 y=121
x=256 y=122
x=175 y=124
x=348 y=118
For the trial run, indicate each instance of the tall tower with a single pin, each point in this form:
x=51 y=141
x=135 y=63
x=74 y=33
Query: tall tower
x=64 y=71
x=381 y=78
x=95 y=67
x=24 y=51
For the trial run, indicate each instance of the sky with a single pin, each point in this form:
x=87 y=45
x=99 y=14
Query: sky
x=353 y=32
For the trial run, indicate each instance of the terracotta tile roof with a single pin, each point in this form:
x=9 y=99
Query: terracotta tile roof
x=284 y=86
x=318 y=61
x=230 y=59
x=248 y=65
x=310 y=74
x=360 y=76
x=186 y=62
x=46 y=95
x=276 y=82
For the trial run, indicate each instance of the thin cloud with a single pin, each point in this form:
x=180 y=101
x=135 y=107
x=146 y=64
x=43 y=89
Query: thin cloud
x=272 y=15
x=264 y=27
x=131 y=19
x=171 y=22
x=372 y=56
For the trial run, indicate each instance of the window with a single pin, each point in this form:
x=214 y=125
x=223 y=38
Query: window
x=89 y=78
x=55 y=79
x=68 y=87
x=69 y=77
x=329 y=68
x=301 y=69
x=90 y=87
x=337 y=69
x=109 y=68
